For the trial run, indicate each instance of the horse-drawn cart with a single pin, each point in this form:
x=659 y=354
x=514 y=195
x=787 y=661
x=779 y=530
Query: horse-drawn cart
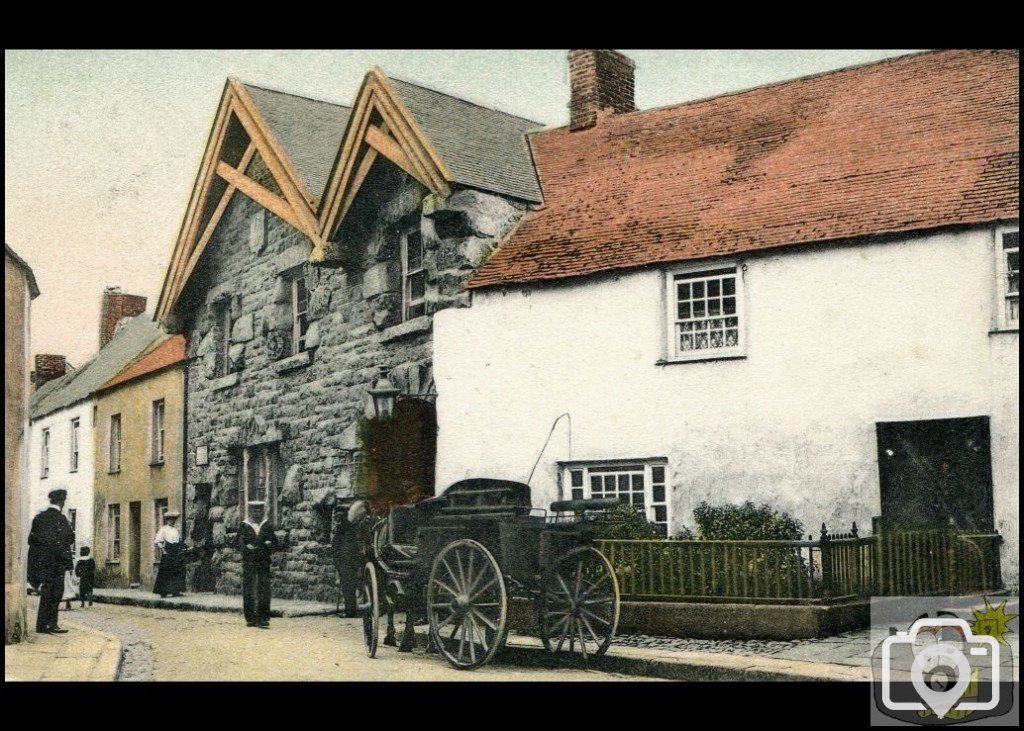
x=461 y=559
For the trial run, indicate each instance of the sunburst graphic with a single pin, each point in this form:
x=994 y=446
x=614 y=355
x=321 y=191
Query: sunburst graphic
x=993 y=621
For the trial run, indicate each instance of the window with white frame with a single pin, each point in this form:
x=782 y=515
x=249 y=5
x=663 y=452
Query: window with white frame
x=44 y=454
x=705 y=313
x=300 y=312
x=640 y=483
x=414 y=276
x=114 y=532
x=259 y=477
x=1008 y=245
x=160 y=509
x=73 y=441
x=114 y=443
x=157 y=432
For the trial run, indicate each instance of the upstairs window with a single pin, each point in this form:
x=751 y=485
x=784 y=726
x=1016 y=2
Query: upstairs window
x=1008 y=245
x=300 y=313
x=114 y=443
x=705 y=313
x=44 y=454
x=157 y=432
x=222 y=314
x=414 y=276
x=73 y=439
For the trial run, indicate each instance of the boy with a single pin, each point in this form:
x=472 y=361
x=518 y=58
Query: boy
x=85 y=570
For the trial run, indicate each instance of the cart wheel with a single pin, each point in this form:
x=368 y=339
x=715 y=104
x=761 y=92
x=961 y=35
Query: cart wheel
x=369 y=609
x=580 y=603
x=467 y=604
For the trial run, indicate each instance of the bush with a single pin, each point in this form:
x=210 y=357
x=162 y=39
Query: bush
x=746 y=522
x=624 y=522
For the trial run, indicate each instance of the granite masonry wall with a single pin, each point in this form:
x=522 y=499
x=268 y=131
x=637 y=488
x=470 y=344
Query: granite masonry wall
x=307 y=408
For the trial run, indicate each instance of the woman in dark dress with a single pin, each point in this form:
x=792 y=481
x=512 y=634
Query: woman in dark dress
x=170 y=577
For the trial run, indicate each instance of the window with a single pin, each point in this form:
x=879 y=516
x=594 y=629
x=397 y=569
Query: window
x=159 y=508
x=73 y=462
x=300 y=318
x=1008 y=243
x=157 y=433
x=414 y=277
x=259 y=477
x=640 y=483
x=705 y=313
x=114 y=442
x=258 y=230
x=73 y=519
x=44 y=454
x=113 y=532
x=222 y=314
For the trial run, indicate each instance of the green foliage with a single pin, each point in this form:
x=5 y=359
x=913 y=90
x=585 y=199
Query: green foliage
x=746 y=522
x=624 y=522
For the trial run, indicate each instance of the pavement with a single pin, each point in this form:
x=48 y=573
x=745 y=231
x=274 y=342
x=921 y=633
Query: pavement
x=81 y=654
x=210 y=602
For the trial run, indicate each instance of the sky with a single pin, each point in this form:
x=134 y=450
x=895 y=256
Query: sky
x=101 y=148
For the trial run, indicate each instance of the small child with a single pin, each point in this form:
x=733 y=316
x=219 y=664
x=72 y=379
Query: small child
x=85 y=570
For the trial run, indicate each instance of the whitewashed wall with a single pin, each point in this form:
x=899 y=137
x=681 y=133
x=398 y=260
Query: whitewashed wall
x=79 y=484
x=838 y=339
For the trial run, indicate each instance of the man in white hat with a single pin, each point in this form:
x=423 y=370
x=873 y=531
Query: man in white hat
x=256 y=541
x=51 y=545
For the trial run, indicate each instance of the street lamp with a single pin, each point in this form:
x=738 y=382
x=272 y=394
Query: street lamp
x=384 y=394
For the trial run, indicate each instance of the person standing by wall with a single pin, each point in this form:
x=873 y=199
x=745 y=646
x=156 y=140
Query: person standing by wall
x=348 y=555
x=50 y=554
x=170 y=577
x=256 y=541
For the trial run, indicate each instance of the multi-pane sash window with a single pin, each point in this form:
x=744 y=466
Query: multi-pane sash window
x=1009 y=241
x=414 y=276
x=159 y=509
x=114 y=532
x=73 y=440
x=157 y=433
x=300 y=318
x=640 y=484
x=705 y=313
x=44 y=454
x=114 y=442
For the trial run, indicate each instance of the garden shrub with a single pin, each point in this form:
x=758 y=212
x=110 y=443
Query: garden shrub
x=746 y=522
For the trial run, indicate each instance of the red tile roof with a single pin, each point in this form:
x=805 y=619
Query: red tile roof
x=906 y=144
x=170 y=352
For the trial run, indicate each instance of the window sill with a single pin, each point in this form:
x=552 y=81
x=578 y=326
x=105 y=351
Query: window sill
x=223 y=382
x=414 y=326
x=158 y=463
x=700 y=359
x=1004 y=330
x=114 y=472
x=71 y=472
x=292 y=362
x=113 y=561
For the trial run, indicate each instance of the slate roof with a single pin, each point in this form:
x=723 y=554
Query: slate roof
x=309 y=131
x=128 y=343
x=483 y=148
x=33 y=288
x=170 y=352
x=907 y=144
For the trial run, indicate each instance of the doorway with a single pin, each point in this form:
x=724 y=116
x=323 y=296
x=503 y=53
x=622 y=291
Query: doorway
x=135 y=547
x=936 y=473
x=200 y=572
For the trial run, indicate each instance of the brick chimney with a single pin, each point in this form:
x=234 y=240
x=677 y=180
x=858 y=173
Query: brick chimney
x=48 y=367
x=599 y=80
x=115 y=308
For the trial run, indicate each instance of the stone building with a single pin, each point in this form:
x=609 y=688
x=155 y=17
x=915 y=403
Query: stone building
x=19 y=290
x=138 y=478
x=804 y=294
x=318 y=244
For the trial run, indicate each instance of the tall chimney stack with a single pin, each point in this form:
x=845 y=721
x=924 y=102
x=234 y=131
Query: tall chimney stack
x=48 y=367
x=599 y=80
x=116 y=307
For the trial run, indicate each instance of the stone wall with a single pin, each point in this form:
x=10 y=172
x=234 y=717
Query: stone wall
x=309 y=406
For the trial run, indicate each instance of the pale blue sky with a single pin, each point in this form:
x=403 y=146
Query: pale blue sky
x=101 y=147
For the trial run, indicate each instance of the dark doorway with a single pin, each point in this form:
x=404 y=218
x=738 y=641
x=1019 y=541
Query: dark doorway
x=201 y=570
x=135 y=545
x=399 y=455
x=936 y=473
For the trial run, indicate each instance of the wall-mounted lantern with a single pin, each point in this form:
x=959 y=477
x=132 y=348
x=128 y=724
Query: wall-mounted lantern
x=384 y=394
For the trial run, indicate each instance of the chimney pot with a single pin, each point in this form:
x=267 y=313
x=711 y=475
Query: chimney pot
x=116 y=307
x=599 y=80
x=48 y=367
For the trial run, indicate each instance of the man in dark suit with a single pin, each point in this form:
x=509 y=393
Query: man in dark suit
x=256 y=541
x=50 y=554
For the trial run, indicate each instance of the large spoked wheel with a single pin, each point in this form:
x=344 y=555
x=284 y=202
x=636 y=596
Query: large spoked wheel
x=369 y=609
x=580 y=603
x=467 y=604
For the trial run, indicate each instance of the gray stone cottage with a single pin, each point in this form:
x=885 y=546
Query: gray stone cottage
x=317 y=245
